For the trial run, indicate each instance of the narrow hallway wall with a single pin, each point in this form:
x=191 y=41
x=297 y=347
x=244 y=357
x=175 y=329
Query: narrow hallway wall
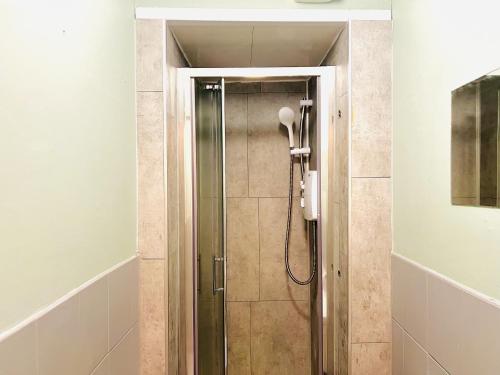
x=68 y=282
x=67 y=168
x=446 y=283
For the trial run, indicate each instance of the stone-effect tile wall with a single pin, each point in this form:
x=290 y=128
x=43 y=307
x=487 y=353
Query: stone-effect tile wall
x=363 y=198
x=370 y=224
x=339 y=363
x=157 y=54
x=151 y=195
x=268 y=315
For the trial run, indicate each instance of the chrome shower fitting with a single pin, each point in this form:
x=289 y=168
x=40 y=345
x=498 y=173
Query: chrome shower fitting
x=286 y=116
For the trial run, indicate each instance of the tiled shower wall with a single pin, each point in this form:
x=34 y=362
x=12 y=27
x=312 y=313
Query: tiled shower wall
x=363 y=197
x=158 y=56
x=268 y=315
x=370 y=225
x=339 y=186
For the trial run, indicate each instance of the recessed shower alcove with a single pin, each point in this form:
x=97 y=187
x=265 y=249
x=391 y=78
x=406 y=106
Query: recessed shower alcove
x=245 y=311
x=265 y=273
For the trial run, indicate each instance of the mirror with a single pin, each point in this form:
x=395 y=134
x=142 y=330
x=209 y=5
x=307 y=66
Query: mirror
x=475 y=142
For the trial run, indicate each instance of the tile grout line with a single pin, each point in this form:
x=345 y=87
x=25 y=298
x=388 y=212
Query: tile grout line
x=37 y=347
x=246 y=134
x=250 y=336
x=371 y=177
x=120 y=341
x=268 y=300
x=146 y=91
x=371 y=342
x=259 y=236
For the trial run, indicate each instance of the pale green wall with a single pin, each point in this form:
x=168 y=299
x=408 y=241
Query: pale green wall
x=67 y=147
x=352 y=4
x=439 y=45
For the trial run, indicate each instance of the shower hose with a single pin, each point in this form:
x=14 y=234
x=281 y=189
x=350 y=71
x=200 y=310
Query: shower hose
x=287 y=240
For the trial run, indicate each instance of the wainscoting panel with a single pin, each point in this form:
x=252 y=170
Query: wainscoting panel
x=439 y=326
x=92 y=330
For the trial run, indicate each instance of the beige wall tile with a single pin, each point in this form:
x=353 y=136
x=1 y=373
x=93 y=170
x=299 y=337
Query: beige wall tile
x=371 y=359
x=274 y=281
x=280 y=86
x=72 y=337
x=242 y=87
x=124 y=359
x=452 y=331
x=479 y=341
x=103 y=368
x=18 y=353
x=151 y=209
x=341 y=254
x=152 y=317
x=149 y=44
x=280 y=338
x=238 y=331
x=173 y=235
x=339 y=57
x=174 y=60
x=242 y=249
x=409 y=298
x=342 y=291
x=93 y=324
x=415 y=359
x=236 y=145
x=341 y=151
x=59 y=340
x=268 y=147
x=433 y=368
x=397 y=349
x=123 y=284
x=370 y=257
x=371 y=98
x=446 y=322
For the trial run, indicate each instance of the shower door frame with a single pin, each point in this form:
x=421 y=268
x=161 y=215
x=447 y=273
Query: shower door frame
x=188 y=358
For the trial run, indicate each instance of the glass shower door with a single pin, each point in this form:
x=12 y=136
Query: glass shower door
x=210 y=229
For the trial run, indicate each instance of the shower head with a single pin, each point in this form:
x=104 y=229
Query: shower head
x=287 y=116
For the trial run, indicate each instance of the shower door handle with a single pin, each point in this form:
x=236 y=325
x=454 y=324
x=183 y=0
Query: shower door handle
x=216 y=260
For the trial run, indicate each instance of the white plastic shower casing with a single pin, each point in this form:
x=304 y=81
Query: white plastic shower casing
x=311 y=195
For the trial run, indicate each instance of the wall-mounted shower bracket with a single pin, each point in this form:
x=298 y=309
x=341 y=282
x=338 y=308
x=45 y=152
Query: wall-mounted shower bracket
x=212 y=87
x=300 y=151
x=306 y=103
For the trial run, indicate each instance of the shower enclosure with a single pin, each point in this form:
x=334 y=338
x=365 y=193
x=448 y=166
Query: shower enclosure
x=239 y=312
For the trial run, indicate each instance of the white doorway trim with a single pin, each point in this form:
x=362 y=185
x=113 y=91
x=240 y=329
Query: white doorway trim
x=262 y=15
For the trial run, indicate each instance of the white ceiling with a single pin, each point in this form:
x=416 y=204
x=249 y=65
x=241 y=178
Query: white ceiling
x=255 y=44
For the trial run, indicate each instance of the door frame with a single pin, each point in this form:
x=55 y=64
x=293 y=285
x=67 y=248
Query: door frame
x=186 y=122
